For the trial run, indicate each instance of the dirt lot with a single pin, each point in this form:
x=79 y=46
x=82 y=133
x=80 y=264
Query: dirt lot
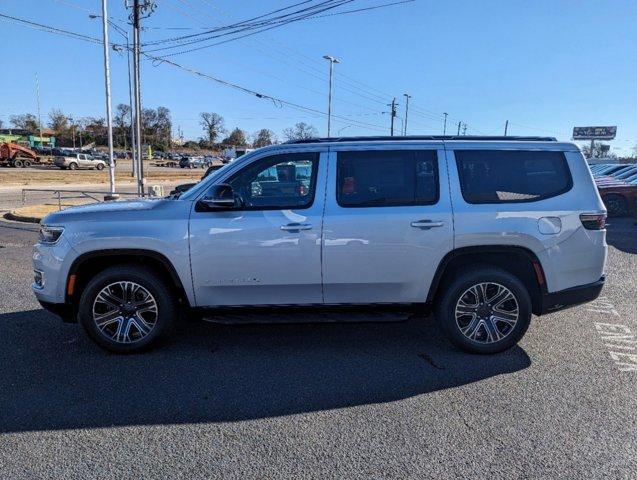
x=42 y=174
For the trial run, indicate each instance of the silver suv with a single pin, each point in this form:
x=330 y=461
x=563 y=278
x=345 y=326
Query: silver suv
x=483 y=231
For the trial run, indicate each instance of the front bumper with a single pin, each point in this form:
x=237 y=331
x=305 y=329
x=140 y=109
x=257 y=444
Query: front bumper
x=552 y=302
x=63 y=310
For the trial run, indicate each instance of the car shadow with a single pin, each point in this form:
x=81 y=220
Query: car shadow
x=621 y=233
x=53 y=377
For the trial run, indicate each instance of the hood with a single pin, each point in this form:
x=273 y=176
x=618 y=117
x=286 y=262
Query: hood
x=120 y=210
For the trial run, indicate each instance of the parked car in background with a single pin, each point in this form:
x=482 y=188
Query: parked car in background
x=617 y=185
x=194 y=162
x=77 y=161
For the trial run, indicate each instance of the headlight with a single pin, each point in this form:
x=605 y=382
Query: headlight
x=50 y=234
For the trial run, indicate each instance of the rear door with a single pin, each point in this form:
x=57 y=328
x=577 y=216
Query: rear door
x=388 y=223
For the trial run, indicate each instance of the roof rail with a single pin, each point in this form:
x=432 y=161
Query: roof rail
x=470 y=138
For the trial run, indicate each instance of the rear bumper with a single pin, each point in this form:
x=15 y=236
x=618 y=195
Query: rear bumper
x=552 y=302
x=62 y=310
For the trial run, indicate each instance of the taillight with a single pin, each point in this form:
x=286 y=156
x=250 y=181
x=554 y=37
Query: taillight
x=593 y=221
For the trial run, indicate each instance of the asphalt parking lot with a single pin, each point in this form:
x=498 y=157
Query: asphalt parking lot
x=382 y=400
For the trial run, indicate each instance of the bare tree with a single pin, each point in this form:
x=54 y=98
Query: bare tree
x=213 y=126
x=58 y=122
x=300 y=131
x=25 y=121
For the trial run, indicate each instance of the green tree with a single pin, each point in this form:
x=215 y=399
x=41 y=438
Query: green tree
x=300 y=131
x=263 y=138
x=236 y=138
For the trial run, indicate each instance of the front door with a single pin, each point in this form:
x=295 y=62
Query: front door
x=388 y=223
x=266 y=249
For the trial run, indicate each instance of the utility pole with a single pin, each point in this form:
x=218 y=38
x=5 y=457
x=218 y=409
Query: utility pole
x=72 y=121
x=407 y=97
x=37 y=94
x=464 y=129
x=332 y=61
x=393 y=115
x=444 y=128
x=506 y=127
x=109 y=114
x=459 y=125
x=137 y=94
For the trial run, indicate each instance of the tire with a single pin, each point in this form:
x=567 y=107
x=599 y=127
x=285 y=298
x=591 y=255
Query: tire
x=17 y=163
x=100 y=166
x=26 y=163
x=478 y=326
x=616 y=205
x=73 y=166
x=145 y=328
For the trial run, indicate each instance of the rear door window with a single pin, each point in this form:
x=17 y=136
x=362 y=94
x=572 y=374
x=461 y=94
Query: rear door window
x=387 y=178
x=507 y=176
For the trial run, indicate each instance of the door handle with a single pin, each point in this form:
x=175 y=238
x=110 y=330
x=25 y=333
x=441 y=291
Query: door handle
x=295 y=227
x=426 y=224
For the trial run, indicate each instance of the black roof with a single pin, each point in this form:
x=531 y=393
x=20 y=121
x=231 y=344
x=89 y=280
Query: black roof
x=471 y=138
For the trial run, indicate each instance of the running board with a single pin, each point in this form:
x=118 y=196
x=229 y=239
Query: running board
x=300 y=315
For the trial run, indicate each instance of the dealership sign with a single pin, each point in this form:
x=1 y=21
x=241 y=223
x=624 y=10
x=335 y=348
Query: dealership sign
x=594 y=133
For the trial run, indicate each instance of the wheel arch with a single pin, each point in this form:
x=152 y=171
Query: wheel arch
x=519 y=261
x=85 y=266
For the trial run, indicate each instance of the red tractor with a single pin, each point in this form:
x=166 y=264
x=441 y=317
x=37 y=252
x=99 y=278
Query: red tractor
x=14 y=155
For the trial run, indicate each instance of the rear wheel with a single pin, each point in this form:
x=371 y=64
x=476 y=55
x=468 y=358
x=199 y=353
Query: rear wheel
x=487 y=310
x=127 y=309
x=17 y=163
x=26 y=163
x=100 y=166
x=73 y=166
x=616 y=204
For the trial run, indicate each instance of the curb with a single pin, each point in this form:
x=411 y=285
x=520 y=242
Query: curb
x=21 y=218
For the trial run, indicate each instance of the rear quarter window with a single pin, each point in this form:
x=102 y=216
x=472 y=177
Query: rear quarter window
x=510 y=176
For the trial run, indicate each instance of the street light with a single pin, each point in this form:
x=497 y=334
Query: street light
x=332 y=61
x=124 y=34
x=407 y=97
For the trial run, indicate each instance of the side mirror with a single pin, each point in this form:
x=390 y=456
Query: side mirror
x=219 y=196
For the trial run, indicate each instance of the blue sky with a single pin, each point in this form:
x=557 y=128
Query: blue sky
x=545 y=65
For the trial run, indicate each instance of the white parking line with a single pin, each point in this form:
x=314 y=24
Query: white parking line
x=618 y=338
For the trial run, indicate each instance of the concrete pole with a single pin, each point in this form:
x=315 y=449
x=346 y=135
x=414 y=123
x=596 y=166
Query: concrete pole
x=109 y=114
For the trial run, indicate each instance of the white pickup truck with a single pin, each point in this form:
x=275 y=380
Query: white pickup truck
x=79 y=160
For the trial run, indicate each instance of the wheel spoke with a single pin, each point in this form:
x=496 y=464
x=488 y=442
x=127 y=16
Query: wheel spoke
x=493 y=334
x=500 y=318
x=142 y=326
x=471 y=329
x=106 y=296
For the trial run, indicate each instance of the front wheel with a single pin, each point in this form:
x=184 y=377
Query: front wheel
x=487 y=310
x=100 y=166
x=126 y=309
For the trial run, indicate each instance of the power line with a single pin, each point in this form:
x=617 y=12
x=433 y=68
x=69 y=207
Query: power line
x=250 y=24
x=49 y=29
